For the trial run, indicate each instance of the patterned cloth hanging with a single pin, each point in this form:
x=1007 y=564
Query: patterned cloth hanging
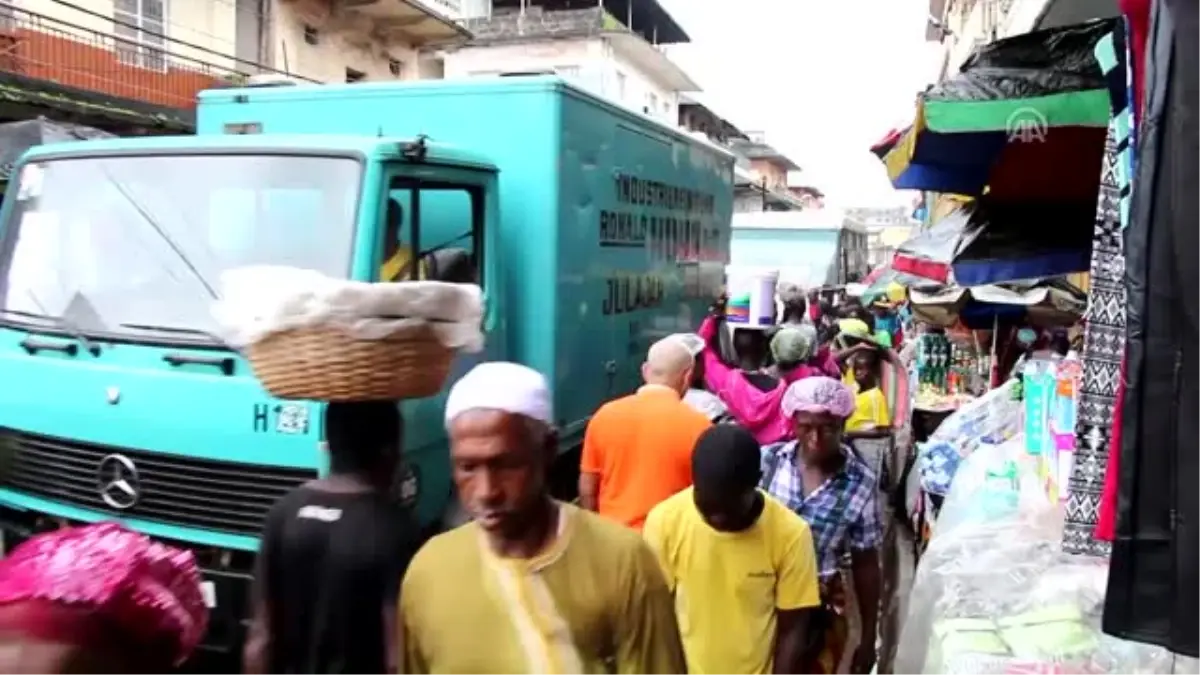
x=1104 y=331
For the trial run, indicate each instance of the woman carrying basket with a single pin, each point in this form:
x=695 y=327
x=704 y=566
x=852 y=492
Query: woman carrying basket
x=823 y=480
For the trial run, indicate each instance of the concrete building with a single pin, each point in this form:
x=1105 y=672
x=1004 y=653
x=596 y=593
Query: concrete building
x=698 y=118
x=611 y=47
x=139 y=63
x=353 y=40
x=963 y=25
x=761 y=176
x=886 y=229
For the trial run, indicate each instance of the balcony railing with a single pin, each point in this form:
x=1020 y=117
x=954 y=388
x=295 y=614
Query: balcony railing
x=154 y=70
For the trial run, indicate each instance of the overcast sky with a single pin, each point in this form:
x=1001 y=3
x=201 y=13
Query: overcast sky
x=823 y=78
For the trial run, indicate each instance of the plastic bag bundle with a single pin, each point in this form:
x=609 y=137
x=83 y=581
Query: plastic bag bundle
x=990 y=419
x=994 y=593
x=259 y=301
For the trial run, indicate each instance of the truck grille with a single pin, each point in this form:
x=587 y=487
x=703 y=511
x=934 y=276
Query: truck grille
x=223 y=496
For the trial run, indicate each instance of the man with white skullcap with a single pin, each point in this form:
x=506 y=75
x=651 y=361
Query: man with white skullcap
x=638 y=449
x=532 y=585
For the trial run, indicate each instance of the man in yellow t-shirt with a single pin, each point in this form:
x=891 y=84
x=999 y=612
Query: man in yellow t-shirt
x=741 y=565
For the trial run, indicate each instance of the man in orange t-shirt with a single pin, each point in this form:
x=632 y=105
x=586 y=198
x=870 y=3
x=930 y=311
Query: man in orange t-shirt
x=638 y=449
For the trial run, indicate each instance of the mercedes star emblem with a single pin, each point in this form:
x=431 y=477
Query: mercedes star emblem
x=117 y=480
x=114 y=395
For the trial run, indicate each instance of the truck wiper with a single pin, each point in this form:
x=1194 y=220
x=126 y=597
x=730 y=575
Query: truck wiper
x=60 y=323
x=149 y=220
x=179 y=330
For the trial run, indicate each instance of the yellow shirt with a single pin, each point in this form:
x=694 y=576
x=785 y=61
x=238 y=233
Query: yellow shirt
x=394 y=266
x=870 y=410
x=593 y=602
x=729 y=586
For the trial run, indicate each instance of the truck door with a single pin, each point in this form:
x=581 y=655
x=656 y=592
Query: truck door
x=438 y=223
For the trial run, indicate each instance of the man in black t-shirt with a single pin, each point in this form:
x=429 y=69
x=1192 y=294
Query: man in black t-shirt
x=332 y=556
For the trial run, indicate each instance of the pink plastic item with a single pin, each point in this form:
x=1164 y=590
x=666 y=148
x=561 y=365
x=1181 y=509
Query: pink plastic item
x=120 y=581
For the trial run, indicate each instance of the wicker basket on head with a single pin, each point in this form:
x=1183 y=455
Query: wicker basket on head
x=327 y=364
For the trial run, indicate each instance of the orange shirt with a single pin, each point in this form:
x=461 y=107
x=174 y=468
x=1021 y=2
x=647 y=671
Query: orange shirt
x=641 y=448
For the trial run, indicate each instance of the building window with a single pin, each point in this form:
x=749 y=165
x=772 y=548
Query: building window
x=353 y=75
x=653 y=107
x=395 y=67
x=139 y=27
x=312 y=36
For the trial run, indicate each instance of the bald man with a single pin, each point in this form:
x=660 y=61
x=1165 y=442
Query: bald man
x=638 y=449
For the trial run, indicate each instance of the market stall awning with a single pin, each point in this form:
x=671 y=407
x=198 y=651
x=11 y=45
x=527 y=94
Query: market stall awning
x=984 y=242
x=1049 y=303
x=1025 y=119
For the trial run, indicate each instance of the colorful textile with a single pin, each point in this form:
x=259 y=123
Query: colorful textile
x=1103 y=336
x=729 y=588
x=86 y=584
x=843 y=512
x=755 y=410
x=1106 y=520
x=818 y=395
x=594 y=601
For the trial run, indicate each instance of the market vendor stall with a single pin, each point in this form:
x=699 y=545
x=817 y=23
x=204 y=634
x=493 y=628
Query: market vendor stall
x=994 y=592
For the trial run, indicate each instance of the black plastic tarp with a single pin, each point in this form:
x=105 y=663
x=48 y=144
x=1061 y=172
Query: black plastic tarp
x=17 y=137
x=1152 y=583
x=1052 y=61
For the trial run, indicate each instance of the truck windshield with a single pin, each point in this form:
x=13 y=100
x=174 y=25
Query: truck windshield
x=135 y=244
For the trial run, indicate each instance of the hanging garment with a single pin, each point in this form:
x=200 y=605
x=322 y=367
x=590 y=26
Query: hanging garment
x=1104 y=329
x=1152 y=583
x=1106 y=523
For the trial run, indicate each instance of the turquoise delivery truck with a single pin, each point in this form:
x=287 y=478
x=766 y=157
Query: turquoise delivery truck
x=593 y=230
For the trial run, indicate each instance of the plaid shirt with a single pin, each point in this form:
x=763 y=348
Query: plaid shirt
x=843 y=513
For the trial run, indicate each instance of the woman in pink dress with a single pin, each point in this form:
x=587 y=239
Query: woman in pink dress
x=752 y=392
x=98 y=599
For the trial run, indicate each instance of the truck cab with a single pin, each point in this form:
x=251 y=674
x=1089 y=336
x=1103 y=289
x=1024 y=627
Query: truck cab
x=124 y=403
x=123 y=400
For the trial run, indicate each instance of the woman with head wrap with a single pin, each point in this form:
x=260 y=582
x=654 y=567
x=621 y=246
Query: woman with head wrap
x=98 y=599
x=822 y=479
x=797 y=356
x=751 y=394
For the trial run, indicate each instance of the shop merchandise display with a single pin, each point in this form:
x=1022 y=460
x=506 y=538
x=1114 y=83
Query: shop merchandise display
x=990 y=419
x=994 y=592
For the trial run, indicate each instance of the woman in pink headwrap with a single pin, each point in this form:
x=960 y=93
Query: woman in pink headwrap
x=820 y=478
x=751 y=392
x=98 y=599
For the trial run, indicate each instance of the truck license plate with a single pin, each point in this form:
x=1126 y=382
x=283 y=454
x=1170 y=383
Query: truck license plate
x=209 y=591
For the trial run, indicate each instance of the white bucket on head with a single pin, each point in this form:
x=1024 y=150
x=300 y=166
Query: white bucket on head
x=751 y=301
